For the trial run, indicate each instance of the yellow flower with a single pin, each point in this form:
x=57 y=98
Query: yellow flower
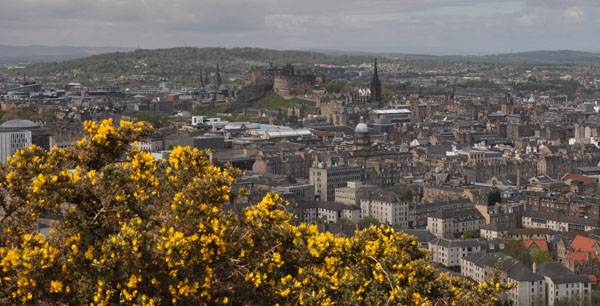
x=56 y=286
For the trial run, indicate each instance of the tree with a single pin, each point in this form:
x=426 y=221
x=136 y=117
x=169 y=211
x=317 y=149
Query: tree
x=157 y=120
x=366 y=221
x=407 y=195
x=133 y=230
x=541 y=256
x=516 y=249
x=334 y=87
x=471 y=234
x=386 y=92
x=494 y=197
x=345 y=221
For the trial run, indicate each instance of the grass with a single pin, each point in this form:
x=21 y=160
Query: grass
x=274 y=101
x=208 y=111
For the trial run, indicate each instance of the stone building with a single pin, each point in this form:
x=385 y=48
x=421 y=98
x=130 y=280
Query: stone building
x=561 y=283
x=292 y=164
x=327 y=179
x=449 y=252
x=530 y=288
x=287 y=83
x=387 y=207
x=451 y=224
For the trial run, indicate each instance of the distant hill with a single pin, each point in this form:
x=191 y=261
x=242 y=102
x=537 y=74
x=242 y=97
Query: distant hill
x=557 y=56
x=40 y=54
x=189 y=62
x=560 y=56
x=185 y=60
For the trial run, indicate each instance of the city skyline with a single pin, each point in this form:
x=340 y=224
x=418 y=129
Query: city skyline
x=428 y=27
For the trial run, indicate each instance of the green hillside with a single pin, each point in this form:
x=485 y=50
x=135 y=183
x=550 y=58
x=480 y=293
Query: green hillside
x=274 y=101
x=189 y=62
x=185 y=61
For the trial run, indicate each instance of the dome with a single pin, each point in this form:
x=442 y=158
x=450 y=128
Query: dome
x=361 y=128
x=19 y=124
x=531 y=98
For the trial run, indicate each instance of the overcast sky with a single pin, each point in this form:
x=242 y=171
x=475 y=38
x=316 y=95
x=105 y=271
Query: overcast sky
x=416 y=26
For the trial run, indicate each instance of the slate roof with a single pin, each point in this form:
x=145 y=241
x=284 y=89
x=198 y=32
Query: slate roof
x=514 y=269
x=459 y=215
x=448 y=243
x=560 y=274
x=422 y=235
x=560 y=217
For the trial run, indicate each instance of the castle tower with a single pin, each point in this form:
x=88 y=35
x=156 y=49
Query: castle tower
x=376 y=87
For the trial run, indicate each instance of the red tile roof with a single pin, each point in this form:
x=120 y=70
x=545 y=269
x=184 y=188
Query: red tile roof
x=540 y=243
x=582 y=257
x=580 y=178
x=583 y=244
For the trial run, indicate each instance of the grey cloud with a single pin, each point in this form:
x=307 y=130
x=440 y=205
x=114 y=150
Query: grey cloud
x=376 y=25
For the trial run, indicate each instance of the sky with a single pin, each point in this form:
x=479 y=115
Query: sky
x=440 y=27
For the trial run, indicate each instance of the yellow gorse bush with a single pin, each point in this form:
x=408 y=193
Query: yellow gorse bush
x=136 y=231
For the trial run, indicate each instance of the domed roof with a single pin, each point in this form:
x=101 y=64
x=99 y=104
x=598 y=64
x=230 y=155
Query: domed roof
x=19 y=124
x=531 y=98
x=361 y=128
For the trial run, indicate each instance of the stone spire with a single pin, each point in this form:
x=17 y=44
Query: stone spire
x=206 y=79
x=218 y=77
x=376 y=87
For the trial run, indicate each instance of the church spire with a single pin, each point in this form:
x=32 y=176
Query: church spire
x=206 y=79
x=218 y=77
x=376 y=87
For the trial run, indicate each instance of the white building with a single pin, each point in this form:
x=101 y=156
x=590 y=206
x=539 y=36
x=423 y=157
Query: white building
x=392 y=115
x=387 y=207
x=561 y=282
x=330 y=212
x=350 y=195
x=451 y=224
x=11 y=141
x=450 y=252
x=557 y=222
x=530 y=289
x=151 y=144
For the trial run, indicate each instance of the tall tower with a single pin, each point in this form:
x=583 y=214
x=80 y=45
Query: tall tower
x=218 y=77
x=376 y=87
x=206 y=79
x=201 y=80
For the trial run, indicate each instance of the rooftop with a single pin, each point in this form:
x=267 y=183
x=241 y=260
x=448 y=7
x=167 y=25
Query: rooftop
x=18 y=124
